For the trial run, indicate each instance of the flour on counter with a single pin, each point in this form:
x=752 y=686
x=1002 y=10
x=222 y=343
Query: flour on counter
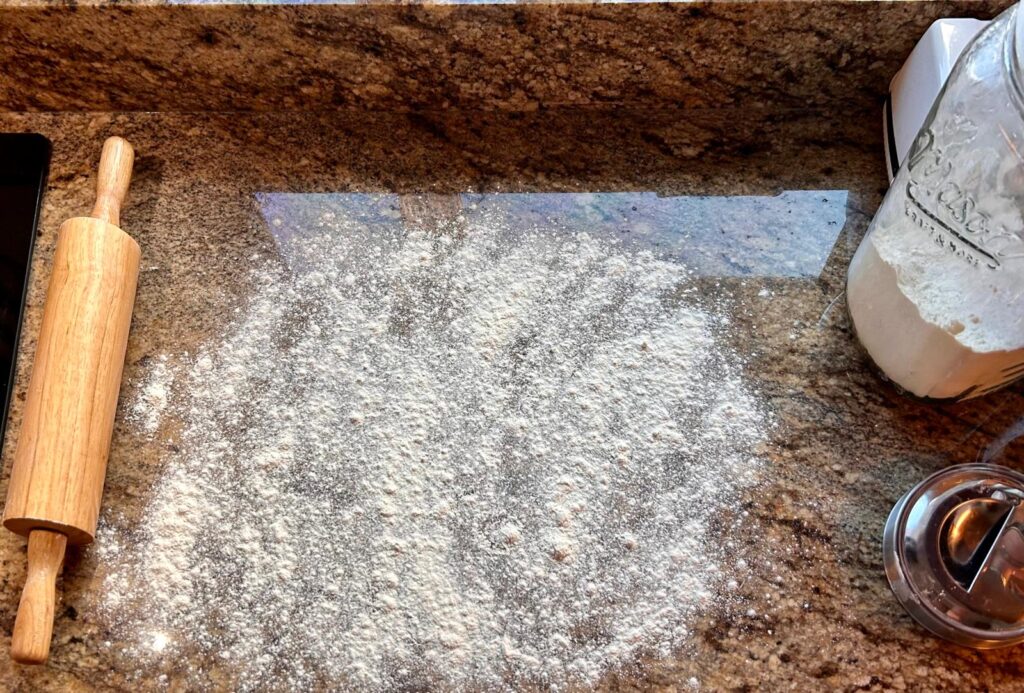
x=463 y=459
x=148 y=407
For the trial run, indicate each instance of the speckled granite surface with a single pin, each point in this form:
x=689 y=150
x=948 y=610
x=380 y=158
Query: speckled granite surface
x=776 y=162
x=793 y=54
x=846 y=448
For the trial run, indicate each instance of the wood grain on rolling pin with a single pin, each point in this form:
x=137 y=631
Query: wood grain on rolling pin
x=61 y=459
x=33 y=627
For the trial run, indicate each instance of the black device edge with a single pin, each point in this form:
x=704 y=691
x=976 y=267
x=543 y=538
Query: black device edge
x=44 y=151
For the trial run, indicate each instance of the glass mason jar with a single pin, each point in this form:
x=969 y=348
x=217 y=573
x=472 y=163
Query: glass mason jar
x=934 y=290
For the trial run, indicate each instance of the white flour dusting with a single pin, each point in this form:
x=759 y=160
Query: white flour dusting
x=463 y=459
x=149 y=405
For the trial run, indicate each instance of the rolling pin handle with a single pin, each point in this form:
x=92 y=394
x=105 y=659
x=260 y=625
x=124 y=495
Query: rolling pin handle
x=114 y=177
x=33 y=627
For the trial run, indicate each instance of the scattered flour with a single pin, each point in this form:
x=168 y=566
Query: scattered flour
x=462 y=459
x=148 y=408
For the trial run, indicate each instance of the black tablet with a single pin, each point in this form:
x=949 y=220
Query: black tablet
x=24 y=159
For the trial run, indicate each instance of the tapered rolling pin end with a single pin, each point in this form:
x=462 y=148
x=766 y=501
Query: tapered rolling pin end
x=33 y=628
x=112 y=183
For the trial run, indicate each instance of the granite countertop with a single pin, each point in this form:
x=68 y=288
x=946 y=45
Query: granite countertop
x=778 y=196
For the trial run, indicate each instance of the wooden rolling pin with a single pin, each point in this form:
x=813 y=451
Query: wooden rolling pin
x=61 y=459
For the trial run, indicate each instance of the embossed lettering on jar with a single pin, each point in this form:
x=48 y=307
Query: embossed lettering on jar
x=935 y=288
